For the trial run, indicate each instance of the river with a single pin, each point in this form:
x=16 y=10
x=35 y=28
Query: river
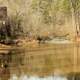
x=45 y=62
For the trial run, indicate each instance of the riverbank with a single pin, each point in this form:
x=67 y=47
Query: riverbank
x=42 y=59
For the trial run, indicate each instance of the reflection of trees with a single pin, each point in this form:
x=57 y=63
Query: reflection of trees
x=4 y=66
x=17 y=57
x=48 y=65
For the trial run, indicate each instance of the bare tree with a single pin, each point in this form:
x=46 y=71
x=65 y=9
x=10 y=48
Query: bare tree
x=75 y=15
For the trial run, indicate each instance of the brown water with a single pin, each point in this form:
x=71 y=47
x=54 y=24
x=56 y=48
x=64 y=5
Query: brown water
x=46 y=60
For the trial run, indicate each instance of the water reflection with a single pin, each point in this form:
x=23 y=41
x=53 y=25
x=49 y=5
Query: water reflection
x=4 y=66
x=4 y=73
x=40 y=62
x=73 y=76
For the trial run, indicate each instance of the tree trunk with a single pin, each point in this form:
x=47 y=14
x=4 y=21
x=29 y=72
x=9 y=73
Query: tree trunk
x=74 y=18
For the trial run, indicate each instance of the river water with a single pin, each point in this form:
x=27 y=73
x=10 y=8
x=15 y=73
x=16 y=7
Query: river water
x=45 y=62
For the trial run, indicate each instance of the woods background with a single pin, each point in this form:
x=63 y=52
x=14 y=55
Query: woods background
x=51 y=17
